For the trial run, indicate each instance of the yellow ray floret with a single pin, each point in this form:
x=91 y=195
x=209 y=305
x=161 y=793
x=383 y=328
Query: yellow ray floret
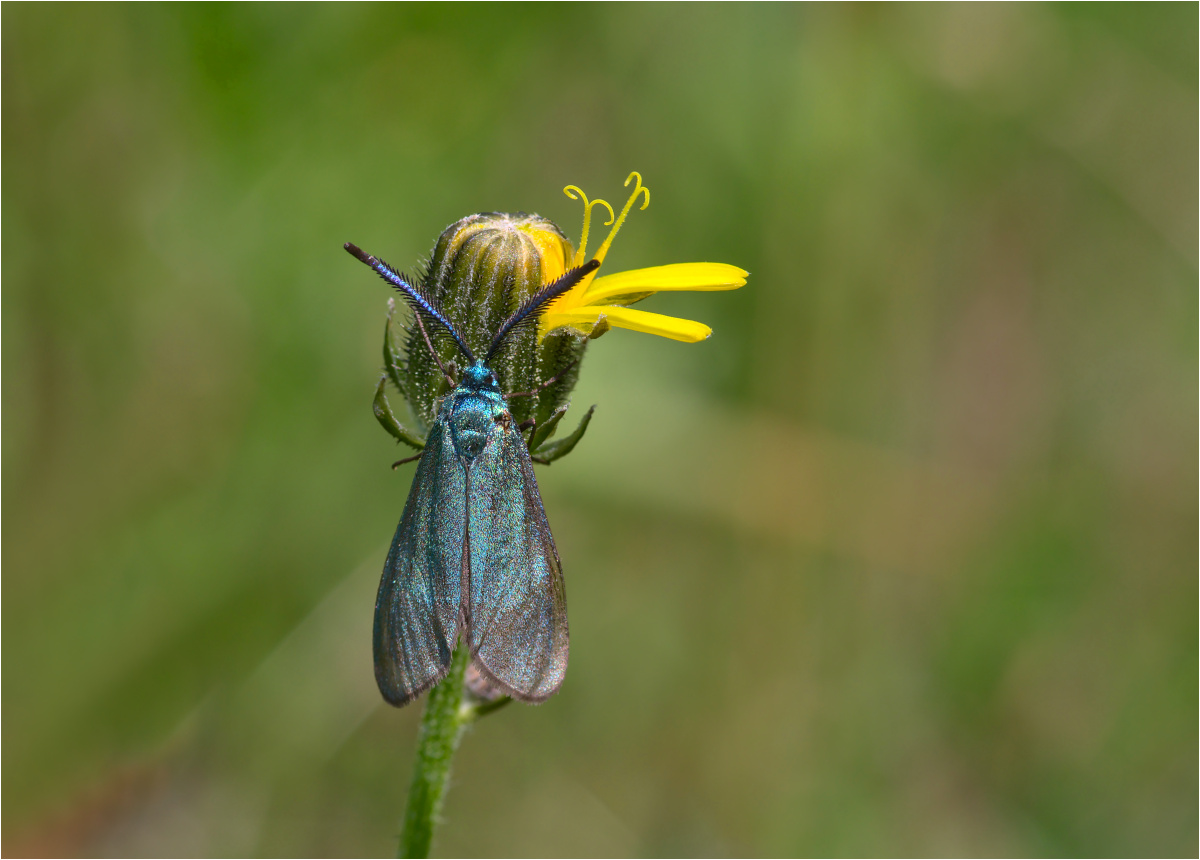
x=657 y=279
x=596 y=303
x=586 y=319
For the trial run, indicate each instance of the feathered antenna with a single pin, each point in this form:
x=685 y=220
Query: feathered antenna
x=528 y=312
x=420 y=304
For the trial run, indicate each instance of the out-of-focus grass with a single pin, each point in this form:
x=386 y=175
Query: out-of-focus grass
x=902 y=560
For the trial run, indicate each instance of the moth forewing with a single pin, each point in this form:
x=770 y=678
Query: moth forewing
x=418 y=607
x=516 y=599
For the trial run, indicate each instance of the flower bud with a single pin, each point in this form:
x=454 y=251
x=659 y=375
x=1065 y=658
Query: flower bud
x=480 y=270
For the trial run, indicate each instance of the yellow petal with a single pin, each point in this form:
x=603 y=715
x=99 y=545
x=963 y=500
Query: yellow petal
x=678 y=276
x=582 y=319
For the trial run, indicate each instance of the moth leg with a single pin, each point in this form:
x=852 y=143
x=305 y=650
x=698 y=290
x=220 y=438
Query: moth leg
x=408 y=459
x=383 y=413
x=552 y=451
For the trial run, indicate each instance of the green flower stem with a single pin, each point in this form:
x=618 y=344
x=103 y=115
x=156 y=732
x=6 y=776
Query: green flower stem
x=448 y=712
x=442 y=727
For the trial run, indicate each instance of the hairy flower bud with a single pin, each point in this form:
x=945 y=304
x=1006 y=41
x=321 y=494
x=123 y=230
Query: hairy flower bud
x=480 y=270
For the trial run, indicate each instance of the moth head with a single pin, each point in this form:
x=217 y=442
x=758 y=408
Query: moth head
x=479 y=377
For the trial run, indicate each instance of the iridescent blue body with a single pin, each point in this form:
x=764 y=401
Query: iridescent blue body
x=472 y=556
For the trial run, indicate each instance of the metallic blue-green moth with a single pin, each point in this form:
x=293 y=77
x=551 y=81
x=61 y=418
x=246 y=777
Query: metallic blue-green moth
x=473 y=562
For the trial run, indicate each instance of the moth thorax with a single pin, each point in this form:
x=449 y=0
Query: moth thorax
x=472 y=421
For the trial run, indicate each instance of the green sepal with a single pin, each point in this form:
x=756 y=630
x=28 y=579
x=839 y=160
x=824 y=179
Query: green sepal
x=383 y=412
x=393 y=356
x=600 y=327
x=552 y=451
x=545 y=430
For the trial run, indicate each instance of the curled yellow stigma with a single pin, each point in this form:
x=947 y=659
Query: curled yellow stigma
x=612 y=234
x=595 y=304
x=576 y=193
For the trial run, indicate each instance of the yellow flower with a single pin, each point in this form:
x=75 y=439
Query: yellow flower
x=598 y=302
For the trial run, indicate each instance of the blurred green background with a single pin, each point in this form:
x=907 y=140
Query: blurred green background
x=903 y=560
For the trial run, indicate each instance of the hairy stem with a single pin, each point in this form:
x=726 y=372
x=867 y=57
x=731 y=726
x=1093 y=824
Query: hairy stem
x=442 y=726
